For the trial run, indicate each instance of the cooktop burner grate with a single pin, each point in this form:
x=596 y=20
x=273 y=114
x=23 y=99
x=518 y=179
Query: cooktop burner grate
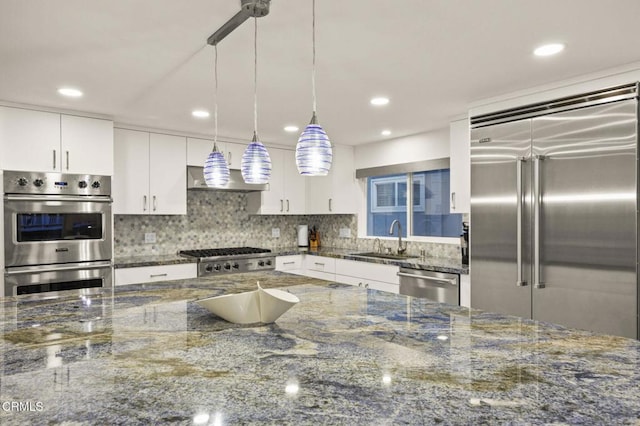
x=231 y=251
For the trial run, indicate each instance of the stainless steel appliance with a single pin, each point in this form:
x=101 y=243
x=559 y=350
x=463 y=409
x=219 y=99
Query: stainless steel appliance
x=219 y=261
x=436 y=286
x=195 y=180
x=57 y=232
x=553 y=210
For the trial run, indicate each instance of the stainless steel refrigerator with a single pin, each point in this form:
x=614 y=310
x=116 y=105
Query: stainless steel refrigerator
x=554 y=212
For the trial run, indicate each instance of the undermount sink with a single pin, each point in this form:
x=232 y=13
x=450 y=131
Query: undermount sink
x=386 y=255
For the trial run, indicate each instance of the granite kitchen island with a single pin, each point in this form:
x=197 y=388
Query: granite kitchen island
x=147 y=354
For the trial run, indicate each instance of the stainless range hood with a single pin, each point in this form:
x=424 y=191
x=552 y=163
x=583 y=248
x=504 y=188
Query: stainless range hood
x=195 y=180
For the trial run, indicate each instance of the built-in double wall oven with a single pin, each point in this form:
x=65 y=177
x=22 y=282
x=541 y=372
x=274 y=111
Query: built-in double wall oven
x=57 y=232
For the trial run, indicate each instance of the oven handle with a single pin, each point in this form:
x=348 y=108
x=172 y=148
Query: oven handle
x=81 y=198
x=54 y=268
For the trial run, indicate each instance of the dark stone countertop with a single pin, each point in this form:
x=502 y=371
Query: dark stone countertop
x=438 y=264
x=147 y=354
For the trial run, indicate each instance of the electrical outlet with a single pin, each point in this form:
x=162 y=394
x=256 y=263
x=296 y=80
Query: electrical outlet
x=149 y=237
x=275 y=232
x=345 y=233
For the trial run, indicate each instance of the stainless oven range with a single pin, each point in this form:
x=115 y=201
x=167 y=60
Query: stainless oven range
x=219 y=261
x=57 y=232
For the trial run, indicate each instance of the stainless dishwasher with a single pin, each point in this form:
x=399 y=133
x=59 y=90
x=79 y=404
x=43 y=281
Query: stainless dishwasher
x=437 y=286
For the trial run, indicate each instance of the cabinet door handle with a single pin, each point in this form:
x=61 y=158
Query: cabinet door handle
x=54 y=159
x=144 y=203
x=67 y=152
x=330 y=206
x=287 y=205
x=157 y=275
x=155 y=204
x=318 y=263
x=537 y=201
x=453 y=201
x=288 y=263
x=229 y=159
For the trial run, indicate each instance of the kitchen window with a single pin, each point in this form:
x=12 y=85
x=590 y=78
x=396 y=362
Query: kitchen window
x=388 y=200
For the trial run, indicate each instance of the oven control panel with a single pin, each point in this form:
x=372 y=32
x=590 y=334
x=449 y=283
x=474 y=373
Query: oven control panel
x=19 y=182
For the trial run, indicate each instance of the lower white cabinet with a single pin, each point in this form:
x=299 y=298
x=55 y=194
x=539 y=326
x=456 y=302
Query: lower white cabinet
x=146 y=274
x=291 y=264
x=320 y=267
x=368 y=275
x=465 y=290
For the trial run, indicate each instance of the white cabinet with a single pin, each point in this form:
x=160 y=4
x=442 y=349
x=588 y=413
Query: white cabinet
x=286 y=194
x=460 y=166
x=320 y=267
x=368 y=275
x=199 y=149
x=336 y=192
x=146 y=274
x=50 y=142
x=150 y=173
x=465 y=290
x=291 y=264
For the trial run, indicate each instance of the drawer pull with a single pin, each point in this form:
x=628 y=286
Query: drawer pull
x=288 y=263
x=158 y=275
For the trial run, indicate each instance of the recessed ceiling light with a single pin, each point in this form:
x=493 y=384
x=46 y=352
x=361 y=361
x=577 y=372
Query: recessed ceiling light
x=380 y=100
x=291 y=129
x=549 y=49
x=385 y=132
x=70 y=92
x=200 y=113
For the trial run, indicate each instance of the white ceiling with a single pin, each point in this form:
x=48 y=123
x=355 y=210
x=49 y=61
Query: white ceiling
x=146 y=62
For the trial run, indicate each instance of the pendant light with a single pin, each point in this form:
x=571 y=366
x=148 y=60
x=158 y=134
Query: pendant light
x=313 y=151
x=216 y=169
x=256 y=163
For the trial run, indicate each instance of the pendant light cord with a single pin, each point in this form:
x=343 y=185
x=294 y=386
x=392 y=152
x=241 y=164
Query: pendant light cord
x=313 y=38
x=215 y=107
x=255 y=77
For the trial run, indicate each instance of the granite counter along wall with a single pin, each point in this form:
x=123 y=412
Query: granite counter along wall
x=220 y=219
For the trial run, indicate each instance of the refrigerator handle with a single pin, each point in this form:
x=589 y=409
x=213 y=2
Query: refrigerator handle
x=520 y=281
x=537 y=201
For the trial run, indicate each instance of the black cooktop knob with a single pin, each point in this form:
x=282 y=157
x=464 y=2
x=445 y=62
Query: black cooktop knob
x=38 y=182
x=227 y=266
x=217 y=267
x=95 y=184
x=260 y=262
x=236 y=266
x=208 y=268
x=269 y=262
x=82 y=184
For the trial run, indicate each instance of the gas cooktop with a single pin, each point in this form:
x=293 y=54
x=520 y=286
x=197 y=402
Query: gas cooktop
x=229 y=260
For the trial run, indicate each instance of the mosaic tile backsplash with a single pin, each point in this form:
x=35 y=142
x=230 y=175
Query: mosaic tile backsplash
x=220 y=219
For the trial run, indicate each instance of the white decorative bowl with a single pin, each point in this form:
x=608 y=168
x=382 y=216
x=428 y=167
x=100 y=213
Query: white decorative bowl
x=261 y=305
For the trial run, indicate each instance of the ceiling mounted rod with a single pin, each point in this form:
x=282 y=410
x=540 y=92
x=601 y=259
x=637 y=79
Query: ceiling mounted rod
x=248 y=9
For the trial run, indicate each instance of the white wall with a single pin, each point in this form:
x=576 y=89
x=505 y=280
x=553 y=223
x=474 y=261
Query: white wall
x=423 y=146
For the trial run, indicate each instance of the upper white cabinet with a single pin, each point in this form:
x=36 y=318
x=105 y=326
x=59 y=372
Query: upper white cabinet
x=460 y=166
x=50 y=142
x=286 y=194
x=150 y=173
x=336 y=192
x=199 y=149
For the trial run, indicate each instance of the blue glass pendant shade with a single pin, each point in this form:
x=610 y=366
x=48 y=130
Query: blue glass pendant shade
x=216 y=170
x=313 y=151
x=256 y=163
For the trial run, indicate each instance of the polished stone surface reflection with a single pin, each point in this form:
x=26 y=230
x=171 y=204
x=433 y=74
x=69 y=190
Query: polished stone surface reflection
x=344 y=355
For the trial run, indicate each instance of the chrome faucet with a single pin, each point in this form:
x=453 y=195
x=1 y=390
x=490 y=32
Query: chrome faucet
x=401 y=248
x=379 y=244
